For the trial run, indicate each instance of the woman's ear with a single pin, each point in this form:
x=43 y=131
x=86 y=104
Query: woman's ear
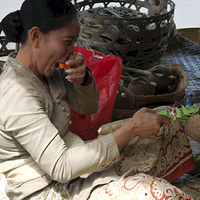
x=35 y=36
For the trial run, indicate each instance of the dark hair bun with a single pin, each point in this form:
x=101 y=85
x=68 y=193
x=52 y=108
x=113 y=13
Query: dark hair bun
x=12 y=27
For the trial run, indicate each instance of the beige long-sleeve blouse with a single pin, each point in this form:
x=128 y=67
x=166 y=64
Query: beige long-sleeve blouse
x=32 y=123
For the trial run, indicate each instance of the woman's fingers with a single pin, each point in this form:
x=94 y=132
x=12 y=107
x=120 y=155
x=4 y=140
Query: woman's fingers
x=166 y=121
x=76 y=78
x=76 y=59
x=146 y=123
x=150 y=111
x=77 y=68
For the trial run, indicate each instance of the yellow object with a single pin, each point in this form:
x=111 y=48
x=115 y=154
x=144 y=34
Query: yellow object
x=191 y=34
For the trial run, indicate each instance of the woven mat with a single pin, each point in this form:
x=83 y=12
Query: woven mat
x=186 y=53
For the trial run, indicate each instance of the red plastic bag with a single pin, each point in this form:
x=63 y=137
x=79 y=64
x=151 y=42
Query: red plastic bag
x=107 y=72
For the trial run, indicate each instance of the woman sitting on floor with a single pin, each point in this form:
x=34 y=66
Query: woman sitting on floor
x=38 y=155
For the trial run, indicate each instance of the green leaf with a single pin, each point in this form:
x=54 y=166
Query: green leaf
x=186 y=112
x=163 y=113
x=189 y=111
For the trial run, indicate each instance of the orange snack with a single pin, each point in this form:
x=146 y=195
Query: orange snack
x=64 y=66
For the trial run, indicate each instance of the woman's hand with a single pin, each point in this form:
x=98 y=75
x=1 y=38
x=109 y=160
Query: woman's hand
x=145 y=123
x=77 y=69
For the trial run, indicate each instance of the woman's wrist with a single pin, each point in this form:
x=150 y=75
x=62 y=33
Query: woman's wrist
x=88 y=77
x=123 y=135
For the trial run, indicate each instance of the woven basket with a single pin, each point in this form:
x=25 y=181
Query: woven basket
x=141 y=47
x=118 y=114
x=168 y=98
x=177 y=98
x=6 y=47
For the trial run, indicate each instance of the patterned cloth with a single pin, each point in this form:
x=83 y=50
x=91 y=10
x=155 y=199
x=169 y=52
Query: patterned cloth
x=139 y=187
x=167 y=156
x=141 y=162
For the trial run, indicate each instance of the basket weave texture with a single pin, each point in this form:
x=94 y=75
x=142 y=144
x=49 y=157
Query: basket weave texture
x=5 y=48
x=174 y=97
x=141 y=46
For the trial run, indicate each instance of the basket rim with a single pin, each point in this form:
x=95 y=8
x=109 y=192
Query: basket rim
x=96 y=16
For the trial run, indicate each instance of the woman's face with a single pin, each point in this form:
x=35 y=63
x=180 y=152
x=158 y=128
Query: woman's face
x=54 y=47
